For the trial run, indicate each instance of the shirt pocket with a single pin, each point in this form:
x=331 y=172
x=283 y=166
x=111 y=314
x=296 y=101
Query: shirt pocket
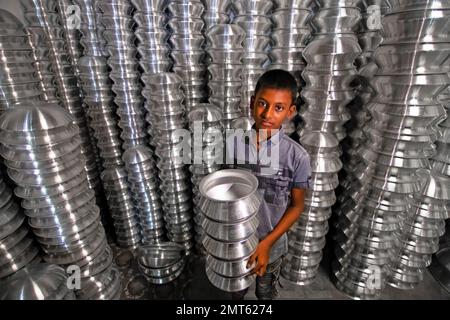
x=277 y=192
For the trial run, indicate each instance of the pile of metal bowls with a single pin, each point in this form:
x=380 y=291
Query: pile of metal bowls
x=121 y=207
x=207 y=154
x=166 y=115
x=216 y=12
x=72 y=34
x=441 y=160
x=118 y=22
x=226 y=69
x=152 y=35
x=253 y=16
x=330 y=69
x=40 y=281
x=421 y=228
x=44 y=26
x=17 y=246
x=383 y=227
x=162 y=263
x=290 y=34
x=143 y=180
x=92 y=40
x=369 y=37
x=18 y=80
x=307 y=237
x=37 y=37
x=41 y=148
x=187 y=42
x=229 y=204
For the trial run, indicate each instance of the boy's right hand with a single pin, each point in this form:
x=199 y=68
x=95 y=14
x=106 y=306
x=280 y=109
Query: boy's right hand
x=261 y=256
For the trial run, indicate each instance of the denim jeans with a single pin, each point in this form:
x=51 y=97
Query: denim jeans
x=266 y=286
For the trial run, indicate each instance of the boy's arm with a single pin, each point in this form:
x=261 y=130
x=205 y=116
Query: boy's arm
x=292 y=213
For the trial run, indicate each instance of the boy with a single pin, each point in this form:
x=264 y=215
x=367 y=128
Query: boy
x=281 y=184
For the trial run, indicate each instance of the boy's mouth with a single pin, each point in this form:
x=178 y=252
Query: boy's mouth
x=266 y=124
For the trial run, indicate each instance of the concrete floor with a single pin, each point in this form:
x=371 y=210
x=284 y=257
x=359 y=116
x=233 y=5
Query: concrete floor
x=194 y=285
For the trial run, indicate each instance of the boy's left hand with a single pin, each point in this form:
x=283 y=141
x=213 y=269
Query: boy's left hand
x=261 y=256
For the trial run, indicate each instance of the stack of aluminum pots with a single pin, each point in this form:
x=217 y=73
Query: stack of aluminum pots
x=69 y=20
x=152 y=35
x=328 y=75
x=161 y=263
x=230 y=203
x=143 y=179
x=421 y=228
x=441 y=160
x=330 y=70
x=187 y=41
x=121 y=207
x=207 y=149
x=18 y=81
x=42 y=150
x=120 y=43
x=17 y=246
x=369 y=37
x=290 y=34
x=253 y=16
x=98 y=96
x=307 y=237
x=391 y=212
x=226 y=69
x=44 y=24
x=216 y=12
x=166 y=115
x=72 y=33
x=41 y=281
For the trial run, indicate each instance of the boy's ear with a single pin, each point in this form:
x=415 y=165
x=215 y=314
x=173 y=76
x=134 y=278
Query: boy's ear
x=292 y=111
x=252 y=104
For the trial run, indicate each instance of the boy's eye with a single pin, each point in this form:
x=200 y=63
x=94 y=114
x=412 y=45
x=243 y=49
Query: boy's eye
x=279 y=108
x=262 y=104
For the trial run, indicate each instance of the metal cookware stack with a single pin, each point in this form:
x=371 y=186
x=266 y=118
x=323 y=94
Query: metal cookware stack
x=369 y=37
x=389 y=216
x=167 y=118
x=216 y=12
x=18 y=79
x=328 y=75
x=41 y=147
x=118 y=21
x=307 y=238
x=40 y=281
x=121 y=207
x=163 y=262
x=72 y=33
x=441 y=160
x=45 y=27
x=330 y=70
x=152 y=35
x=230 y=203
x=226 y=69
x=17 y=246
x=253 y=16
x=207 y=149
x=143 y=180
x=187 y=42
x=98 y=96
x=422 y=225
x=69 y=21
x=290 y=34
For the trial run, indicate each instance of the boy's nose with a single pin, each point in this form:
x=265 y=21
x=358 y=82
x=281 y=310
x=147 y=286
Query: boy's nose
x=267 y=113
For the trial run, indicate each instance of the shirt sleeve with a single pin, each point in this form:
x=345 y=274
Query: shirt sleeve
x=302 y=173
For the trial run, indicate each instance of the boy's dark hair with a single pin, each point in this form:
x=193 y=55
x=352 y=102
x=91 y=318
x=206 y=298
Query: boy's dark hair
x=277 y=79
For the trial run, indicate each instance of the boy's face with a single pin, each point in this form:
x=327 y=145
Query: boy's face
x=271 y=107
